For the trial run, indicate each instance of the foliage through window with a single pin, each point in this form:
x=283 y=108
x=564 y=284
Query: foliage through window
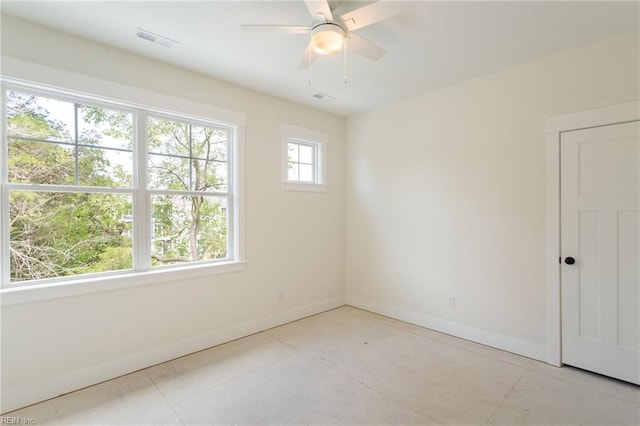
x=75 y=192
x=187 y=166
x=301 y=161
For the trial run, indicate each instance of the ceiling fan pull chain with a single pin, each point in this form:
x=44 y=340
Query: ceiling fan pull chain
x=310 y=63
x=344 y=47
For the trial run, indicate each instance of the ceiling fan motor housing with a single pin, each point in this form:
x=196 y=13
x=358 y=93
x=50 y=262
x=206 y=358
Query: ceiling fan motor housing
x=329 y=33
x=327 y=38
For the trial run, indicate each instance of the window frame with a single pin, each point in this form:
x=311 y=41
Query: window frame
x=142 y=273
x=231 y=183
x=306 y=137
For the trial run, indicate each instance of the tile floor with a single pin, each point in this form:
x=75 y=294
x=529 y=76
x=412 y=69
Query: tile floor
x=348 y=366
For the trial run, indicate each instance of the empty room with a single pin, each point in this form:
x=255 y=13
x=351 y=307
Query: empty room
x=320 y=212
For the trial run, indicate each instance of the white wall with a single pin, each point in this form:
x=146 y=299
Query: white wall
x=445 y=195
x=294 y=242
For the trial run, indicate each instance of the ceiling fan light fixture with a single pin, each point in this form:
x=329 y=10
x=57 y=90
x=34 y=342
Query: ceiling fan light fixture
x=327 y=39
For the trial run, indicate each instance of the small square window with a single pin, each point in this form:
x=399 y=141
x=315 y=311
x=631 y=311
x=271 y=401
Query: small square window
x=303 y=159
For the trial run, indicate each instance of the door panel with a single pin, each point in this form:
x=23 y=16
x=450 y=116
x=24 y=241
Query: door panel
x=600 y=228
x=609 y=167
x=590 y=288
x=628 y=278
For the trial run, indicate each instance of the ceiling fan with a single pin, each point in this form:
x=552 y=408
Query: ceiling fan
x=330 y=34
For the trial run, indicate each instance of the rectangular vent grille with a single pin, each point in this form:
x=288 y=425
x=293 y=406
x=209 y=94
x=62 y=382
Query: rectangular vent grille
x=320 y=95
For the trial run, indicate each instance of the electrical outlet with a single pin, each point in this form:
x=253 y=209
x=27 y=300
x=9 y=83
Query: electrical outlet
x=281 y=295
x=451 y=300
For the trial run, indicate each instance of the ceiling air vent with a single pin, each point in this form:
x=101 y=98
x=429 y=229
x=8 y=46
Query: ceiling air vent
x=155 y=38
x=320 y=95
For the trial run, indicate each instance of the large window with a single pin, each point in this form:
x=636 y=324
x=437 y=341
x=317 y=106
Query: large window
x=94 y=187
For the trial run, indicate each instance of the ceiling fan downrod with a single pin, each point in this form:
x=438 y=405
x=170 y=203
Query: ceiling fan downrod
x=344 y=70
x=310 y=64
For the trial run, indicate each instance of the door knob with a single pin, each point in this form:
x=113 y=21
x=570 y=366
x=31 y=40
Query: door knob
x=569 y=260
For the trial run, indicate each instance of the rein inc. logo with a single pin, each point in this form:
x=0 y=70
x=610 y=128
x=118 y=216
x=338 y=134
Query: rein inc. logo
x=15 y=420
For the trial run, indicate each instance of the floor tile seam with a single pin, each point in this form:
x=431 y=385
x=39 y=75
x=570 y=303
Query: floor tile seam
x=218 y=386
x=282 y=342
x=371 y=388
x=432 y=339
x=506 y=396
x=304 y=318
x=71 y=393
x=512 y=363
x=321 y=363
x=222 y=382
x=593 y=388
x=164 y=397
x=252 y=370
x=483 y=353
x=324 y=364
x=480 y=351
x=496 y=358
x=290 y=345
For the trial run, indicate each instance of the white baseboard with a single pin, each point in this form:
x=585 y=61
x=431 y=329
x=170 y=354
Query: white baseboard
x=484 y=337
x=12 y=399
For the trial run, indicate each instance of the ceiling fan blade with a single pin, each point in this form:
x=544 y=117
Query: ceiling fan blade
x=308 y=57
x=374 y=12
x=319 y=10
x=364 y=47
x=287 y=29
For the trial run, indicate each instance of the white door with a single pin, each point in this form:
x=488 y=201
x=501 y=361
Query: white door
x=600 y=231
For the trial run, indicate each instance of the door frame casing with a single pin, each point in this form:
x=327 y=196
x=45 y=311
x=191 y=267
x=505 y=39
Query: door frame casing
x=554 y=127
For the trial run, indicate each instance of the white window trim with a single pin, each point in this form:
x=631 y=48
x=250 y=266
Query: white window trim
x=98 y=283
x=309 y=136
x=22 y=74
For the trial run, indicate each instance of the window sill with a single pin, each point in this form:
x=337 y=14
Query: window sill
x=305 y=187
x=118 y=281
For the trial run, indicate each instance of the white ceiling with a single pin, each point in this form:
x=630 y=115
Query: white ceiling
x=435 y=45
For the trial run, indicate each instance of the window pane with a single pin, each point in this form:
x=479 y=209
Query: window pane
x=306 y=154
x=41 y=163
x=105 y=127
x=187 y=229
x=306 y=173
x=292 y=172
x=293 y=152
x=209 y=143
x=54 y=234
x=222 y=173
x=102 y=167
x=209 y=175
x=37 y=117
x=168 y=137
x=169 y=173
x=302 y=164
x=195 y=157
x=32 y=120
